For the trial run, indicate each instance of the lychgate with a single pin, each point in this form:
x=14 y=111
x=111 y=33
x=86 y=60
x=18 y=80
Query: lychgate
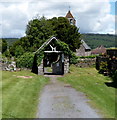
x=55 y=61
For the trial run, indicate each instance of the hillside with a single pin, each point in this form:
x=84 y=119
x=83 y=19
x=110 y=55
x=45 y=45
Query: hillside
x=93 y=40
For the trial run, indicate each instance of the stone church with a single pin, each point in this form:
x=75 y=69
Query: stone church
x=84 y=49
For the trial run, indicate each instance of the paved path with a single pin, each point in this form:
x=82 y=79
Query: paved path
x=59 y=100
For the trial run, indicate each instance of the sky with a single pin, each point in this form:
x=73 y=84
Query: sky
x=92 y=16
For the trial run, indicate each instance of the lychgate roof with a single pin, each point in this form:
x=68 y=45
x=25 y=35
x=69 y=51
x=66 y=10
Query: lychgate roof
x=46 y=43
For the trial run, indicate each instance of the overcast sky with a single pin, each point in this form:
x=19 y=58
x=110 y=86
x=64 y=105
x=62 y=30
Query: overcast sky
x=92 y=16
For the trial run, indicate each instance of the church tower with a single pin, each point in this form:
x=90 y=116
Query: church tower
x=70 y=17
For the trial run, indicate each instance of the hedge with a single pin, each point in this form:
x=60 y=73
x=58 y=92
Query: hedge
x=25 y=60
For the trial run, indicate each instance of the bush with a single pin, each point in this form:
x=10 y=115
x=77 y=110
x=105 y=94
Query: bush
x=73 y=59
x=4 y=45
x=103 y=67
x=7 y=54
x=19 y=51
x=91 y=56
x=25 y=60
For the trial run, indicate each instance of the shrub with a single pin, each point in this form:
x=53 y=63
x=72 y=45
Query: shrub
x=25 y=60
x=91 y=56
x=103 y=67
x=73 y=59
x=19 y=51
x=7 y=54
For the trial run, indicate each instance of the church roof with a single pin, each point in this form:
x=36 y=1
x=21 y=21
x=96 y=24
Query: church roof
x=85 y=45
x=69 y=15
x=99 y=50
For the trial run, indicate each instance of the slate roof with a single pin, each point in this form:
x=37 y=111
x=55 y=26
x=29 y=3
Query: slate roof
x=69 y=15
x=85 y=45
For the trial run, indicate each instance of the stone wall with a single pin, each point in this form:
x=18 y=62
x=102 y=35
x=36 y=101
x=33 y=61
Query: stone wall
x=66 y=64
x=40 y=69
x=8 y=66
x=86 y=62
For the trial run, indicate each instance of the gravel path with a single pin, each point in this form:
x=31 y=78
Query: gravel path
x=59 y=100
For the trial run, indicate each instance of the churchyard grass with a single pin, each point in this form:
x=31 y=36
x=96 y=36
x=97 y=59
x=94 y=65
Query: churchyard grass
x=20 y=96
x=89 y=81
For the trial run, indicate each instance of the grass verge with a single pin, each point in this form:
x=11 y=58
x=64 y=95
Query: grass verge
x=89 y=81
x=20 y=96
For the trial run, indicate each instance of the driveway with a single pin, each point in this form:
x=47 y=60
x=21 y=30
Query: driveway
x=60 y=100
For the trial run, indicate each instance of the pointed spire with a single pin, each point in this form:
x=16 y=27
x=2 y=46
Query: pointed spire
x=69 y=15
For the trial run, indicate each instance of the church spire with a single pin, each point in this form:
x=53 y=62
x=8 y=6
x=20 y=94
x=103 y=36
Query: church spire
x=70 y=17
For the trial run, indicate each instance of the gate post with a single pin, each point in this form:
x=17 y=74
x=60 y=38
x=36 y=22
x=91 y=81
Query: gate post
x=40 y=69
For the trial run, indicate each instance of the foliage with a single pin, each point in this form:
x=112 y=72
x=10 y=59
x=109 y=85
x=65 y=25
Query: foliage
x=66 y=32
x=25 y=60
x=19 y=51
x=40 y=56
x=95 y=40
x=73 y=59
x=64 y=47
x=39 y=30
x=7 y=54
x=91 y=56
x=89 y=81
x=103 y=67
x=20 y=96
x=10 y=41
x=4 y=45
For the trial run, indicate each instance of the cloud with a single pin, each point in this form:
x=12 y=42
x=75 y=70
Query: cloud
x=95 y=17
x=91 y=16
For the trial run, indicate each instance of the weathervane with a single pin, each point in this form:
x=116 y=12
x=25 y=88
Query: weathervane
x=69 y=7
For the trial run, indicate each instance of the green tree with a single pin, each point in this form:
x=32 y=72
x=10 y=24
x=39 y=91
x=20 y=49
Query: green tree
x=19 y=51
x=25 y=60
x=66 y=32
x=38 y=31
x=14 y=46
x=4 y=45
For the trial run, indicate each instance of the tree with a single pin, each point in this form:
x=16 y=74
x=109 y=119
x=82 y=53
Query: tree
x=4 y=45
x=38 y=31
x=66 y=32
x=41 y=29
x=19 y=51
x=25 y=60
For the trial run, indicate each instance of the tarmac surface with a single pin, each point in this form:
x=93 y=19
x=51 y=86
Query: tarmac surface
x=60 y=100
